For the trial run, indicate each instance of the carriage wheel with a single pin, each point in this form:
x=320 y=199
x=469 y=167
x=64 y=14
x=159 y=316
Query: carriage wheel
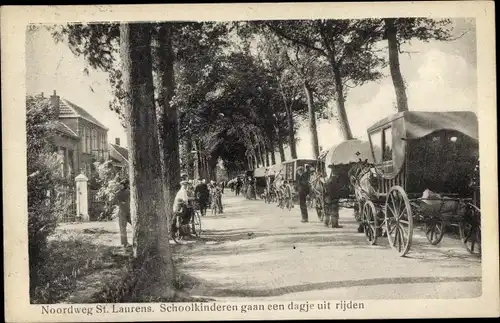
x=398 y=220
x=369 y=220
x=196 y=224
x=434 y=230
x=470 y=230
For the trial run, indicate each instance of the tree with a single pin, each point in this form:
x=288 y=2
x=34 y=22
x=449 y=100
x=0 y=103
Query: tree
x=152 y=253
x=348 y=47
x=43 y=179
x=164 y=59
x=272 y=55
x=310 y=71
x=400 y=30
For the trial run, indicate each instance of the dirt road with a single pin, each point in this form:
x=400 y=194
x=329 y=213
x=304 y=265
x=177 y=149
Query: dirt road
x=256 y=250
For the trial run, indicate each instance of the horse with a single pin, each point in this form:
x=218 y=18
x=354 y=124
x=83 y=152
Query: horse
x=317 y=193
x=281 y=190
x=363 y=178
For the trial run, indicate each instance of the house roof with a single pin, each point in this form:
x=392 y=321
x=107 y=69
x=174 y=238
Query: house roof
x=64 y=129
x=121 y=151
x=68 y=109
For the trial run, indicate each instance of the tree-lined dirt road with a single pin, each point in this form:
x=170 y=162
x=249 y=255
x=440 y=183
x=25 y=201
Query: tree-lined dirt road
x=256 y=250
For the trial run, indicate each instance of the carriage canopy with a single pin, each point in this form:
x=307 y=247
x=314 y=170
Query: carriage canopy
x=349 y=151
x=418 y=124
x=289 y=167
x=260 y=172
x=395 y=139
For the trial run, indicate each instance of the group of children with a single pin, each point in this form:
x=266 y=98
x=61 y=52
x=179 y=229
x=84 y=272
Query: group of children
x=204 y=194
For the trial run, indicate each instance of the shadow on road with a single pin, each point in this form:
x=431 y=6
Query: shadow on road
x=208 y=289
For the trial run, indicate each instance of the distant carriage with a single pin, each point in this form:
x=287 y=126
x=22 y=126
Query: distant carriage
x=425 y=164
x=287 y=179
x=260 y=174
x=342 y=158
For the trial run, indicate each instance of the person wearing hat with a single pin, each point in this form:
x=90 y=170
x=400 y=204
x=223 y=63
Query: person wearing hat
x=181 y=205
x=123 y=207
x=202 y=194
x=302 y=187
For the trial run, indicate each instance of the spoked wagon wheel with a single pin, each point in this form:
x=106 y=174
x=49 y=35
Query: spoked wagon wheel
x=398 y=220
x=196 y=224
x=470 y=230
x=369 y=220
x=434 y=230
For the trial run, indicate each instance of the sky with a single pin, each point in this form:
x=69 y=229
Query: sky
x=440 y=76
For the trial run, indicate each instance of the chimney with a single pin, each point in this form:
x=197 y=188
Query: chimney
x=54 y=100
x=117 y=141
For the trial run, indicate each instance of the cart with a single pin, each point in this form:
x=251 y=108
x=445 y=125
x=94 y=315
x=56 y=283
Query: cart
x=289 y=170
x=343 y=158
x=426 y=164
x=263 y=180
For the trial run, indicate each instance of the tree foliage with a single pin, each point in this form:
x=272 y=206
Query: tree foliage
x=43 y=182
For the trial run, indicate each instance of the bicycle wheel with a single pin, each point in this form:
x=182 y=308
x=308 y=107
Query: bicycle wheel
x=175 y=235
x=196 y=224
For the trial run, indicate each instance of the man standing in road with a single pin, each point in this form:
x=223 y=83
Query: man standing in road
x=238 y=186
x=123 y=208
x=302 y=187
x=336 y=187
x=202 y=194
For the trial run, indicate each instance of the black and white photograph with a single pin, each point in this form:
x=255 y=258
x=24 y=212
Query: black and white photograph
x=298 y=167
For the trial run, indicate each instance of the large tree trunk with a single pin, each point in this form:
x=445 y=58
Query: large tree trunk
x=260 y=160
x=291 y=126
x=312 y=120
x=188 y=157
x=291 y=135
x=265 y=155
x=152 y=254
x=167 y=121
x=339 y=89
x=280 y=144
x=273 y=152
x=397 y=78
x=196 y=163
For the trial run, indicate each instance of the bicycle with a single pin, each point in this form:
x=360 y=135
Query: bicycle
x=178 y=231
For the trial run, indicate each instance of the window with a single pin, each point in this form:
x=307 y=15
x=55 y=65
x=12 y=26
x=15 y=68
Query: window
x=87 y=140
x=71 y=156
x=289 y=172
x=387 y=153
x=103 y=147
x=83 y=140
x=61 y=161
x=376 y=142
x=94 y=141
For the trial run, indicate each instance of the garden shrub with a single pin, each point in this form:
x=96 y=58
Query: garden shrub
x=42 y=182
x=109 y=182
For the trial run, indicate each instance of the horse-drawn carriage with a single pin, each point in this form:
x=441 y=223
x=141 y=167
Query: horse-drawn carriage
x=342 y=159
x=285 y=180
x=261 y=176
x=424 y=164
